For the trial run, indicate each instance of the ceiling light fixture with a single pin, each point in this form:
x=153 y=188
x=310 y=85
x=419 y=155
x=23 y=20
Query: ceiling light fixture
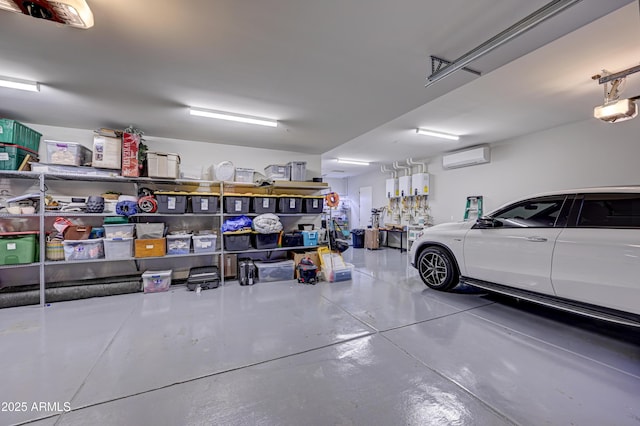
x=441 y=135
x=356 y=162
x=75 y=13
x=221 y=115
x=15 y=83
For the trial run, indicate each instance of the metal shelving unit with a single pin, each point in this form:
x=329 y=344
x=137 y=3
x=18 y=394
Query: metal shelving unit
x=41 y=179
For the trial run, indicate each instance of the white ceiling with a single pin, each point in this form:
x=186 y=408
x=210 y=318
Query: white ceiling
x=345 y=78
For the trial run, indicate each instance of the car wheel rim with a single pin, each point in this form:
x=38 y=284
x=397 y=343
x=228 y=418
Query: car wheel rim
x=433 y=269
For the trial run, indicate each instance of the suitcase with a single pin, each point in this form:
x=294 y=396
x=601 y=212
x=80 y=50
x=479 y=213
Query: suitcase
x=206 y=277
x=246 y=272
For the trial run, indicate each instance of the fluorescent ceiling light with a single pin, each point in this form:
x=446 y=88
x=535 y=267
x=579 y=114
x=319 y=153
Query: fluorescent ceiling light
x=437 y=134
x=221 y=115
x=75 y=13
x=357 y=162
x=14 y=83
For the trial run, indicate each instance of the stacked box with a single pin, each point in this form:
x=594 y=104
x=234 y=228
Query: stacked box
x=204 y=243
x=236 y=204
x=107 y=152
x=68 y=153
x=237 y=241
x=204 y=203
x=171 y=203
x=11 y=156
x=150 y=248
x=119 y=231
x=179 y=244
x=149 y=230
x=18 y=248
x=263 y=204
x=265 y=241
x=83 y=249
x=289 y=204
x=13 y=132
x=118 y=248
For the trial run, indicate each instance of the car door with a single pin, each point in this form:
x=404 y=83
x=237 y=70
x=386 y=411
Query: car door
x=597 y=257
x=514 y=247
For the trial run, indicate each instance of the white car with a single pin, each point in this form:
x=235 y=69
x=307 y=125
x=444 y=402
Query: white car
x=576 y=250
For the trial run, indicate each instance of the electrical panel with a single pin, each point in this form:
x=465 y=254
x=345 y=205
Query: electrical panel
x=392 y=188
x=420 y=184
x=404 y=186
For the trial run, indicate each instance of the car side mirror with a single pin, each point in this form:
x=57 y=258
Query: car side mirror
x=486 y=222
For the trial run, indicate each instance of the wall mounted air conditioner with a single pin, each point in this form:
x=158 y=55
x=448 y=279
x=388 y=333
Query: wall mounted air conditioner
x=469 y=157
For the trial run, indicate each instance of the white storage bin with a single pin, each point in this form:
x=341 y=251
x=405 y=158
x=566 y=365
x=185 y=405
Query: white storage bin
x=179 y=244
x=204 y=243
x=118 y=248
x=146 y=231
x=118 y=230
x=68 y=153
x=83 y=249
x=244 y=175
x=156 y=281
x=163 y=165
x=298 y=170
x=278 y=172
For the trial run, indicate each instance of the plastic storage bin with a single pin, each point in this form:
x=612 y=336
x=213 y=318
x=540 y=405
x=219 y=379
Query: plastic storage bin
x=11 y=156
x=237 y=241
x=310 y=238
x=263 y=204
x=298 y=170
x=171 y=203
x=16 y=133
x=118 y=248
x=236 y=204
x=83 y=249
x=179 y=244
x=265 y=241
x=312 y=204
x=68 y=153
x=292 y=239
x=163 y=165
x=289 y=204
x=149 y=230
x=278 y=172
x=244 y=175
x=204 y=203
x=204 y=243
x=119 y=231
x=150 y=247
x=17 y=248
x=156 y=281
x=275 y=271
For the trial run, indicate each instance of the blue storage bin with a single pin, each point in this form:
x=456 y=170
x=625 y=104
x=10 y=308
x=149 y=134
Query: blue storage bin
x=310 y=238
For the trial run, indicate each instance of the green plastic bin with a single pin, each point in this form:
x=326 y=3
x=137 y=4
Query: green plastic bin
x=16 y=133
x=18 y=248
x=11 y=156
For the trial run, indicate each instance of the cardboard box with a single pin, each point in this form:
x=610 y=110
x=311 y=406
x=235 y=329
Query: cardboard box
x=298 y=256
x=130 y=148
x=107 y=152
x=372 y=239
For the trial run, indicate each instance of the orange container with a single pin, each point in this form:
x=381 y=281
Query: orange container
x=150 y=248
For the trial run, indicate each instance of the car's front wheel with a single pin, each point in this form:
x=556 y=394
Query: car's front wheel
x=437 y=269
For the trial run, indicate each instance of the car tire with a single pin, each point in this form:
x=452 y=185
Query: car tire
x=437 y=270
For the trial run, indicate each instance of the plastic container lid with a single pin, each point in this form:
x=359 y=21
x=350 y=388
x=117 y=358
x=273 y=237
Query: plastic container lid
x=224 y=170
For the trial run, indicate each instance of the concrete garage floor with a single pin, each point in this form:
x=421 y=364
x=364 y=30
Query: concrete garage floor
x=381 y=349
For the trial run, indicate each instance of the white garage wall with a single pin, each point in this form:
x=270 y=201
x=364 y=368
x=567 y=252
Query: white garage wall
x=586 y=153
x=194 y=155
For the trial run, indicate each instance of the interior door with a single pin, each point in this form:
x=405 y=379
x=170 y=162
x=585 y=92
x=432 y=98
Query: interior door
x=516 y=249
x=366 y=203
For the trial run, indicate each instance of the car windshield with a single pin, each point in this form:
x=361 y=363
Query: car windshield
x=530 y=213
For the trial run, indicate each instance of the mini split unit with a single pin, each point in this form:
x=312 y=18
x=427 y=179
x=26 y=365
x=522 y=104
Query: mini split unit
x=469 y=157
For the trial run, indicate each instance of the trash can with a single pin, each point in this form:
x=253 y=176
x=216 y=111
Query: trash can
x=358 y=238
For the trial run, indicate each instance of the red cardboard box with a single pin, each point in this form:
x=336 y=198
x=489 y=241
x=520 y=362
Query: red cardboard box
x=130 y=145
